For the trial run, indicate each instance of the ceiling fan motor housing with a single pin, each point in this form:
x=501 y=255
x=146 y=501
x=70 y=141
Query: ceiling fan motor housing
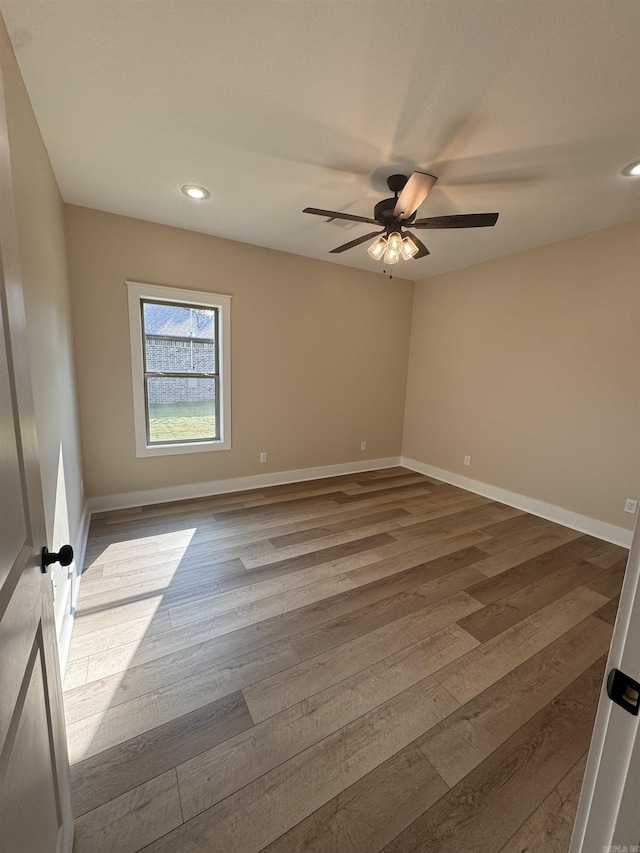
x=383 y=212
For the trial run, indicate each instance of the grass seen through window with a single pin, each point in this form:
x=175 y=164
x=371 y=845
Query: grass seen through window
x=185 y=421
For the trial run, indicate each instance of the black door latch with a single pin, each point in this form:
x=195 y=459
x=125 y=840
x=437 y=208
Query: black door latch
x=64 y=556
x=624 y=691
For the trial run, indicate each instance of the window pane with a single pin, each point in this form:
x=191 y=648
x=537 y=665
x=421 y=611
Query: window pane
x=179 y=339
x=181 y=409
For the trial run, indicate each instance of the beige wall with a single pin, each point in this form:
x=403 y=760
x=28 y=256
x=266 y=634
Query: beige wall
x=531 y=365
x=40 y=221
x=319 y=353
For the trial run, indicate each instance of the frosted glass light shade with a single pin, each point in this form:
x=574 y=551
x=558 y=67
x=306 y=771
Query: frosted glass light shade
x=409 y=248
x=377 y=249
x=391 y=257
x=395 y=242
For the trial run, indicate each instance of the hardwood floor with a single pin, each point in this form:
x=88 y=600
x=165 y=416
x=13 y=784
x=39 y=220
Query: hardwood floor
x=374 y=662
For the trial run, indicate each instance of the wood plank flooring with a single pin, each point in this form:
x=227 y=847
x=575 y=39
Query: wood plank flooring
x=374 y=662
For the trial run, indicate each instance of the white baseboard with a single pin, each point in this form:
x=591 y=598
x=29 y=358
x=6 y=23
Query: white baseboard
x=79 y=550
x=583 y=523
x=237 y=484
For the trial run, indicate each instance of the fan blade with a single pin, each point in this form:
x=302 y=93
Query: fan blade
x=422 y=249
x=414 y=193
x=333 y=214
x=357 y=242
x=462 y=220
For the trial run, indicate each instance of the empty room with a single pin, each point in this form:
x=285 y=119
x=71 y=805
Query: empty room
x=319 y=426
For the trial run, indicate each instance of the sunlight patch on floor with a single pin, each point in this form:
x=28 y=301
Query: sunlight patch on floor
x=125 y=637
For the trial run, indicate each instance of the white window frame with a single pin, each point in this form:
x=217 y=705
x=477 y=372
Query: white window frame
x=136 y=293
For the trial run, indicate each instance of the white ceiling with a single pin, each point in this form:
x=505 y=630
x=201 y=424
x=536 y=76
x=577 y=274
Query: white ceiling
x=527 y=107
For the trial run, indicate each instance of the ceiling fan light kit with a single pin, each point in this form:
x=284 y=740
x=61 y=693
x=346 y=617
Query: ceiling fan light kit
x=399 y=212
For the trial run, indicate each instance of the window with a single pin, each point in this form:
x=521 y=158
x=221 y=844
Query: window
x=180 y=359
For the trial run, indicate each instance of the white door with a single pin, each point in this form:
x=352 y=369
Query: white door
x=35 y=803
x=608 y=815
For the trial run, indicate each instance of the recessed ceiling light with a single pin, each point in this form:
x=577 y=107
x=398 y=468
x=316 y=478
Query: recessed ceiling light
x=632 y=171
x=194 y=191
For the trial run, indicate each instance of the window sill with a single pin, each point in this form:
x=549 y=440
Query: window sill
x=187 y=447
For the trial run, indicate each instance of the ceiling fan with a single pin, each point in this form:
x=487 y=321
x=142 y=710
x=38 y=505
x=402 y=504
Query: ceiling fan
x=396 y=213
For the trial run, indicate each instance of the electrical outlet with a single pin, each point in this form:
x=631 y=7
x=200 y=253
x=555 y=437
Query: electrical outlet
x=363 y=445
x=467 y=460
x=630 y=506
x=263 y=457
